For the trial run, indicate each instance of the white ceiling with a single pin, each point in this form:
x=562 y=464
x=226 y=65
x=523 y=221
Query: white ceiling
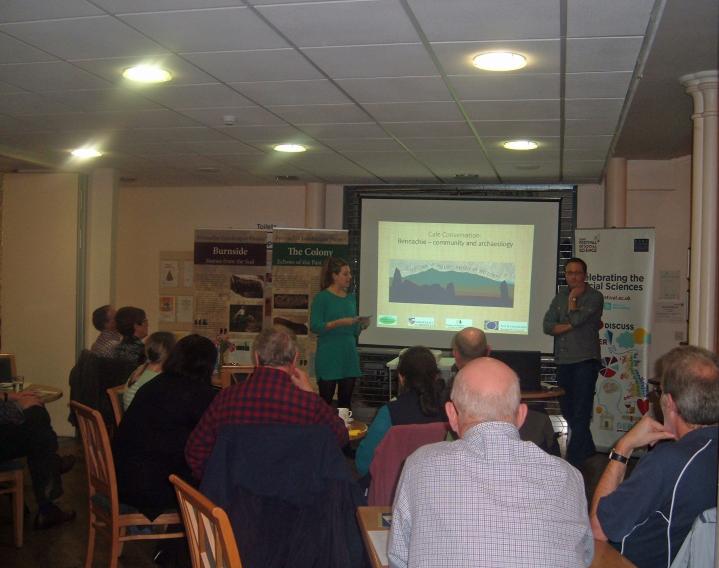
x=379 y=90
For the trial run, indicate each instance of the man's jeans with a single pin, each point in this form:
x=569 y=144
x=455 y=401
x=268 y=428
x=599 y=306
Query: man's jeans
x=579 y=381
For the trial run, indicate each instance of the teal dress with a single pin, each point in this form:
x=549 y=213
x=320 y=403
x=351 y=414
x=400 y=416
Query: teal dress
x=336 y=356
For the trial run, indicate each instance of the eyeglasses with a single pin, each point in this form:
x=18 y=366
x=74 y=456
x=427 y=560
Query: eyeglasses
x=574 y=272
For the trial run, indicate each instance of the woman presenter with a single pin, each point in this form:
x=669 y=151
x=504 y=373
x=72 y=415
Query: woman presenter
x=334 y=320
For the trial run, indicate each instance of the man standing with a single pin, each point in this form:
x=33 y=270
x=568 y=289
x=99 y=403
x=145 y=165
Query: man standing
x=103 y=318
x=649 y=515
x=574 y=318
x=488 y=499
x=277 y=392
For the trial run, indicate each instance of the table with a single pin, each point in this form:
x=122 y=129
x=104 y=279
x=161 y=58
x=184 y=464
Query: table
x=47 y=393
x=605 y=555
x=357 y=430
x=225 y=377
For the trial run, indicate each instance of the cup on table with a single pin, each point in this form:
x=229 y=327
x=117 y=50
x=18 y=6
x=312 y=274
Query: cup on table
x=18 y=383
x=346 y=415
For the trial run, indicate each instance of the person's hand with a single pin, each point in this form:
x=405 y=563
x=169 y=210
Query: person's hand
x=25 y=399
x=301 y=380
x=645 y=432
x=363 y=322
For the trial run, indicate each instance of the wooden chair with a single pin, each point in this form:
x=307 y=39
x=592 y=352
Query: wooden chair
x=103 y=502
x=209 y=532
x=11 y=474
x=115 y=394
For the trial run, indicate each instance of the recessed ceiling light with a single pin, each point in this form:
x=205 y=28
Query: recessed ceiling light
x=147 y=74
x=292 y=148
x=520 y=145
x=499 y=61
x=85 y=153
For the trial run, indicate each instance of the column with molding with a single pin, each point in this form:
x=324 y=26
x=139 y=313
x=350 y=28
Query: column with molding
x=315 y=205
x=615 y=209
x=702 y=87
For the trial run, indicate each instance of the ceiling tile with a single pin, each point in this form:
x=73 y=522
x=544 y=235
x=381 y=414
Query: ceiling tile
x=593 y=127
x=518 y=128
x=197 y=96
x=342 y=23
x=512 y=110
x=101 y=100
x=506 y=87
x=602 y=54
x=49 y=76
x=78 y=38
x=355 y=131
x=589 y=18
x=214 y=29
x=242 y=116
x=317 y=114
x=17 y=104
x=7 y=88
x=15 y=51
x=364 y=144
x=420 y=112
x=27 y=10
x=588 y=142
x=319 y=91
x=267 y=65
x=446 y=143
x=400 y=89
x=444 y=162
x=588 y=168
x=571 y=155
x=266 y=134
x=470 y=20
x=131 y=6
x=390 y=164
x=456 y=57
x=400 y=60
x=597 y=85
x=178 y=134
x=590 y=108
x=528 y=170
x=183 y=72
x=218 y=147
x=427 y=129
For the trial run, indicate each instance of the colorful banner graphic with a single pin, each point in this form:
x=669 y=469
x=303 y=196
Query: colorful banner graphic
x=621 y=266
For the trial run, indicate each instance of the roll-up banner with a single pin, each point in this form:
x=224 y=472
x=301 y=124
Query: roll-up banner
x=621 y=266
x=297 y=258
x=230 y=279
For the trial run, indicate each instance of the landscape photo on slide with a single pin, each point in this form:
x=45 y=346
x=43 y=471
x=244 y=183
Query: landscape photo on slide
x=452 y=283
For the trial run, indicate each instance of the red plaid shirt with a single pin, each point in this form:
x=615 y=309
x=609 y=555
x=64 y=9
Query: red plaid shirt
x=266 y=397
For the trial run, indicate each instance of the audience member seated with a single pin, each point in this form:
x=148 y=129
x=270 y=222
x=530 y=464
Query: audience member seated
x=150 y=442
x=132 y=325
x=648 y=516
x=488 y=499
x=26 y=431
x=157 y=349
x=103 y=318
x=277 y=392
x=470 y=344
x=420 y=402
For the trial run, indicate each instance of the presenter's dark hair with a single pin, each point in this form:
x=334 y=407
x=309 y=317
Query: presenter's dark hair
x=193 y=357
x=419 y=368
x=99 y=317
x=331 y=266
x=578 y=261
x=127 y=318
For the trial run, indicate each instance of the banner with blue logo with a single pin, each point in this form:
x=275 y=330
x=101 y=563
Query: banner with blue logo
x=621 y=266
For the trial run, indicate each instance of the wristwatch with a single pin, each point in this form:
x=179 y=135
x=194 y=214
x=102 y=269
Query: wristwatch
x=613 y=455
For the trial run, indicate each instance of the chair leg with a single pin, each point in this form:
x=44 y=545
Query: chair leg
x=123 y=532
x=90 y=542
x=114 y=545
x=18 y=508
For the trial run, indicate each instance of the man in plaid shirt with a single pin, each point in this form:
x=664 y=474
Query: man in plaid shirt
x=277 y=392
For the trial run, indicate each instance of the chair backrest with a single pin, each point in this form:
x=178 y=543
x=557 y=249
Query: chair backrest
x=101 y=478
x=391 y=452
x=7 y=367
x=209 y=532
x=115 y=394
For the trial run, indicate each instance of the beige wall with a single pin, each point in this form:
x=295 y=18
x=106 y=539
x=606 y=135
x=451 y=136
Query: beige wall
x=40 y=280
x=157 y=219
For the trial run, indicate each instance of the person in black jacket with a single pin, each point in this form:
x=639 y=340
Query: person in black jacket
x=150 y=441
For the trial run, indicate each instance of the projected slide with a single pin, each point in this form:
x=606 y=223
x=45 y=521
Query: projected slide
x=445 y=276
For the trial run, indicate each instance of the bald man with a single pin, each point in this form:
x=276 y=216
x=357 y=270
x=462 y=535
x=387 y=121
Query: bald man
x=488 y=499
x=470 y=344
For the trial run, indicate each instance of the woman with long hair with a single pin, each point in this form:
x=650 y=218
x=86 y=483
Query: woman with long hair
x=334 y=319
x=157 y=349
x=421 y=401
x=150 y=442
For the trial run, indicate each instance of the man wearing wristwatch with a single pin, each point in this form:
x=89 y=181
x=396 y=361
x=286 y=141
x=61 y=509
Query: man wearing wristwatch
x=574 y=318
x=648 y=516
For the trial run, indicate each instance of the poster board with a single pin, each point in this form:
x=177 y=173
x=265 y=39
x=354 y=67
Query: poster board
x=176 y=291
